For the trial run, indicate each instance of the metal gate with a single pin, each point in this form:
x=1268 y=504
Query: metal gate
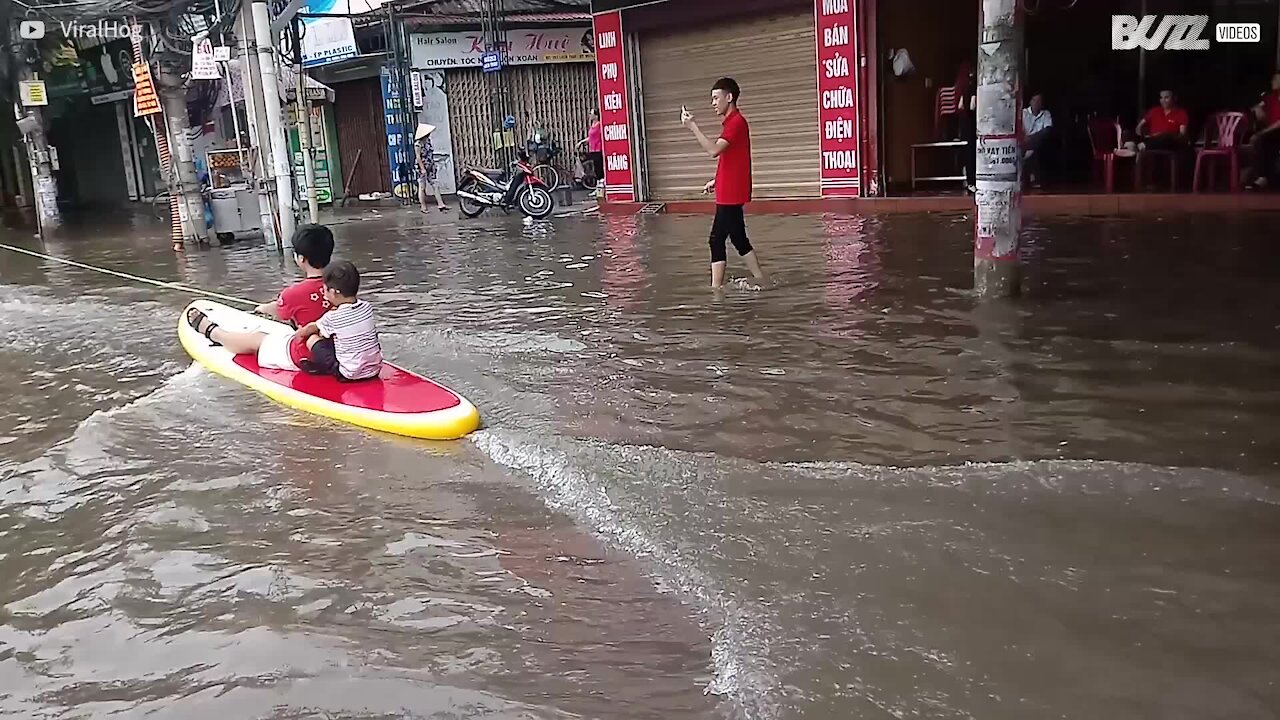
x=556 y=96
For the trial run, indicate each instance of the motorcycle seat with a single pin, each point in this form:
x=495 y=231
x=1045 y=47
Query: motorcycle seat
x=494 y=173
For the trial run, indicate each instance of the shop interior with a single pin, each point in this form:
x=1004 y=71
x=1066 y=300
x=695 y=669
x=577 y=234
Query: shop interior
x=1069 y=59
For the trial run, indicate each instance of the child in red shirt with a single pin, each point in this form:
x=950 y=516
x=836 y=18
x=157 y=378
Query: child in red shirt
x=299 y=305
x=732 y=184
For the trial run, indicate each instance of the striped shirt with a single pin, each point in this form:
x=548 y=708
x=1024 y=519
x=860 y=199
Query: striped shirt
x=355 y=339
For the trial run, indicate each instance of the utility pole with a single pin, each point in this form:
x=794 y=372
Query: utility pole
x=303 y=106
x=999 y=162
x=261 y=166
x=275 y=117
x=31 y=124
x=173 y=96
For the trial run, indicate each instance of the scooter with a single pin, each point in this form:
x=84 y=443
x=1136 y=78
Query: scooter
x=484 y=188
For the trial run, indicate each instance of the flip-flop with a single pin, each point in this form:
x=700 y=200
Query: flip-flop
x=195 y=317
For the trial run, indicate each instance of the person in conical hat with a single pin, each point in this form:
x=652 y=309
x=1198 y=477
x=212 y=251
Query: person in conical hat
x=426 y=166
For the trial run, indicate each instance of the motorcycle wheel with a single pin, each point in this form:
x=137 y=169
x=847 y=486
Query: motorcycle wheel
x=469 y=208
x=536 y=202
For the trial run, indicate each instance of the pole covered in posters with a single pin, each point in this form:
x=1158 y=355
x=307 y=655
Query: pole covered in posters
x=998 y=148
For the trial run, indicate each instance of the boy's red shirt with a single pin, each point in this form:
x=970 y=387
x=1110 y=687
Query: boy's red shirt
x=302 y=304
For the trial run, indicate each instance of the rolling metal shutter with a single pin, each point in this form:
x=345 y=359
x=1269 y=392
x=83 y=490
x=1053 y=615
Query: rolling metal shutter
x=557 y=96
x=774 y=61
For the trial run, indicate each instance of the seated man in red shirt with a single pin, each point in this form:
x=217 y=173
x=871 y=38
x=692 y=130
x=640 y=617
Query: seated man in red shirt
x=732 y=184
x=299 y=305
x=1165 y=125
x=1266 y=142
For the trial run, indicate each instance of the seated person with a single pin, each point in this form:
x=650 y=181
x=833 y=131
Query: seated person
x=299 y=304
x=1266 y=141
x=344 y=341
x=1036 y=122
x=1165 y=126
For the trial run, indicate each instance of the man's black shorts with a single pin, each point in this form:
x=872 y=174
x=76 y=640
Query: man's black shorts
x=730 y=224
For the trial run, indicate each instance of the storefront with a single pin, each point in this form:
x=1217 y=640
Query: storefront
x=103 y=155
x=359 y=126
x=547 y=81
x=319 y=102
x=802 y=73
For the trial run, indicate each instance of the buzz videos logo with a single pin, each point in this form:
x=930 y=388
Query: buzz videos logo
x=31 y=29
x=1176 y=32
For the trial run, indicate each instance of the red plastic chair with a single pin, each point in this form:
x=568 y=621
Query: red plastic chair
x=1104 y=137
x=946 y=102
x=1224 y=137
x=1167 y=155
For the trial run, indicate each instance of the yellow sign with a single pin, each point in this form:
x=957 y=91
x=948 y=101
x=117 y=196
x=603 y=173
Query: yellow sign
x=33 y=93
x=145 y=101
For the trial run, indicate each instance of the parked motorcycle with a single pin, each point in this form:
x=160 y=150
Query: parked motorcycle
x=519 y=188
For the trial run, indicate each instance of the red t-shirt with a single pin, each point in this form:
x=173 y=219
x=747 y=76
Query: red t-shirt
x=1161 y=123
x=302 y=304
x=1272 y=105
x=733 y=168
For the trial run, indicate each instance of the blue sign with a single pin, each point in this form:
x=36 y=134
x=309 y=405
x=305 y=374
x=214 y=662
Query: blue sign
x=399 y=135
x=491 y=62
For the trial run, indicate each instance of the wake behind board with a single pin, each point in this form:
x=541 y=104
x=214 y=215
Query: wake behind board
x=398 y=401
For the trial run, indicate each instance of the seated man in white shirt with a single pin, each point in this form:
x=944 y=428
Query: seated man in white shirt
x=1036 y=123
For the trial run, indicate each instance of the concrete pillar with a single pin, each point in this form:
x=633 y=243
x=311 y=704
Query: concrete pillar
x=274 y=117
x=999 y=155
x=251 y=80
x=173 y=96
x=44 y=186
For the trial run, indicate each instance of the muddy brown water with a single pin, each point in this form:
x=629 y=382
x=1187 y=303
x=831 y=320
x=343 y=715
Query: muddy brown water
x=858 y=494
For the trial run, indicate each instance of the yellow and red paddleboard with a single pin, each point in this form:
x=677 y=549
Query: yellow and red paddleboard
x=397 y=401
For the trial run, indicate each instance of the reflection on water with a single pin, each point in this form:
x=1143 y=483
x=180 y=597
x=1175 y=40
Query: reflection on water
x=855 y=494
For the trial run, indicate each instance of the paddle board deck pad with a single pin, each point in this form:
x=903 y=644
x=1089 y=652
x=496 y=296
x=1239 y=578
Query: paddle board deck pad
x=398 y=401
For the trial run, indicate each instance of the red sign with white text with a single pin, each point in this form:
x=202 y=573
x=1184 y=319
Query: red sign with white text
x=839 y=127
x=615 y=127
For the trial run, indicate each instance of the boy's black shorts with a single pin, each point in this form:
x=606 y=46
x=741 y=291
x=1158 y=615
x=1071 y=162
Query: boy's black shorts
x=324 y=360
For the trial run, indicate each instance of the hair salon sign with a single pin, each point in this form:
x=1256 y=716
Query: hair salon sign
x=531 y=46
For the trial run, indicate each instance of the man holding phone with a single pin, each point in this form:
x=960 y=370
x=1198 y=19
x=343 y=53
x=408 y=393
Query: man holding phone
x=732 y=184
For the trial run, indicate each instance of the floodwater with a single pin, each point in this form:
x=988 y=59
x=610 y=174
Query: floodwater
x=858 y=494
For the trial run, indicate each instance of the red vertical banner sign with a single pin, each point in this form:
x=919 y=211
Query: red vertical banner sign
x=839 y=126
x=615 y=122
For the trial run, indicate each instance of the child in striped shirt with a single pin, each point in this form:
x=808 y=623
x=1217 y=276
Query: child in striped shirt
x=344 y=342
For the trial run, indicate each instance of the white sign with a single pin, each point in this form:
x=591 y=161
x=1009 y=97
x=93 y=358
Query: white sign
x=525 y=46
x=111 y=97
x=328 y=39
x=415 y=85
x=222 y=53
x=33 y=93
x=203 y=64
x=435 y=111
x=997 y=156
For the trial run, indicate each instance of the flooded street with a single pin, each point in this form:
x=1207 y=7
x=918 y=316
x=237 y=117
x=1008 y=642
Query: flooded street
x=857 y=494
